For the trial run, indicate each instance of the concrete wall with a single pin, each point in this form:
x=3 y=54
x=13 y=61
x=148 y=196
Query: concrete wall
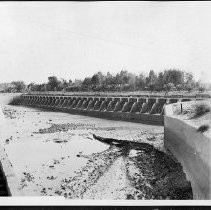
x=192 y=149
x=134 y=109
x=13 y=187
x=144 y=109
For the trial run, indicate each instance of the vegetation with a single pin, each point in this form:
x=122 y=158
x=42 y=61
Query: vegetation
x=203 y=128
x=13 y=87
x=201 y=109
x=194 y=110
x=168 y=80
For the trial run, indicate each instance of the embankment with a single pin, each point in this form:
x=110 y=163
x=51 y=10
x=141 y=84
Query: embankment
x=6 y=98
x=8 y=182
x=192 y=149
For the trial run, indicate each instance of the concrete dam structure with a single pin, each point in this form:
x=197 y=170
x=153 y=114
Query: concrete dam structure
x=144 y=109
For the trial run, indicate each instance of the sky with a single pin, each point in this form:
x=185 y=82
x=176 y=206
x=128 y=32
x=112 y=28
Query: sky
x=74 y=40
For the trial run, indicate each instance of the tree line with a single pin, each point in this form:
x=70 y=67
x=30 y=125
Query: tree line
x=167 y=80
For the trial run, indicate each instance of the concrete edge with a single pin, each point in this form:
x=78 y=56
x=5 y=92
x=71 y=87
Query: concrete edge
x=9 y=175
x=191 y=149
x=13 y=186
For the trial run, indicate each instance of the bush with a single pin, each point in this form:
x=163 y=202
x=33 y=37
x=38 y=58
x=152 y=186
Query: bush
x=201 y=109
x=203 y=128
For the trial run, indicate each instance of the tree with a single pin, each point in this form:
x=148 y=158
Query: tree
x=63 y=84
x=179 y=87
x=173 y=76
x=86 y=84
x=151 y=80
x=159 y=86
x=188 y=77
x=53 y=83
x=200 y=86
x=169 y=80
x=109 y=79
x=140 y=82
x=97 y=79
x=87 y=81
x=44 y=87
x=70 y=82
x=189 y=82
x=132 y=81
x=30 y=86
x=121 y=78
x=18 y=86
x=169 y=87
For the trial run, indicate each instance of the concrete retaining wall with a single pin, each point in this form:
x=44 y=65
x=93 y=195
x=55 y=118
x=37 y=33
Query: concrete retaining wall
x=192 y=149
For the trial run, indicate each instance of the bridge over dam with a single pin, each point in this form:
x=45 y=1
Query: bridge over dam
x=147 y=109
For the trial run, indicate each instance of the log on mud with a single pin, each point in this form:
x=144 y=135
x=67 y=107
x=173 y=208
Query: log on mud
x=124 y=143
x=111 y=141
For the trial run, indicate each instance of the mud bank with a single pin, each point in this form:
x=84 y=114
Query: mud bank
x=55 y=154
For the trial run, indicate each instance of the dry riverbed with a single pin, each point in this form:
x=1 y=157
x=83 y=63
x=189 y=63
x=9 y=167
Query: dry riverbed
x=55 y=154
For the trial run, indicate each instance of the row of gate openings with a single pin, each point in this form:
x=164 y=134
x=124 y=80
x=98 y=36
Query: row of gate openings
x=110 y=104
x=115 y=104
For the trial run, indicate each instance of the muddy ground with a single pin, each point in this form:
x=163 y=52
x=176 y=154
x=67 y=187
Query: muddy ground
x=55 y=154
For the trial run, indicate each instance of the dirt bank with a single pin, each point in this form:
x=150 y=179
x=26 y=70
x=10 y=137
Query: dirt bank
x=195 y=113
x=55 y=154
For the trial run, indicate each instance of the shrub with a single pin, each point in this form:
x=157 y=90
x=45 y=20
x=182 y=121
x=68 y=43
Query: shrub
x=203 y=128
x=201 y=109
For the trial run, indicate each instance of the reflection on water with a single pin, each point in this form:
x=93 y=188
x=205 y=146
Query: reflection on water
x=33 y=153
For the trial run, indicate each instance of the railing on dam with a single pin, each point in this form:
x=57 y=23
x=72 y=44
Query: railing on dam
x=121 y=94
x=145 y=109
